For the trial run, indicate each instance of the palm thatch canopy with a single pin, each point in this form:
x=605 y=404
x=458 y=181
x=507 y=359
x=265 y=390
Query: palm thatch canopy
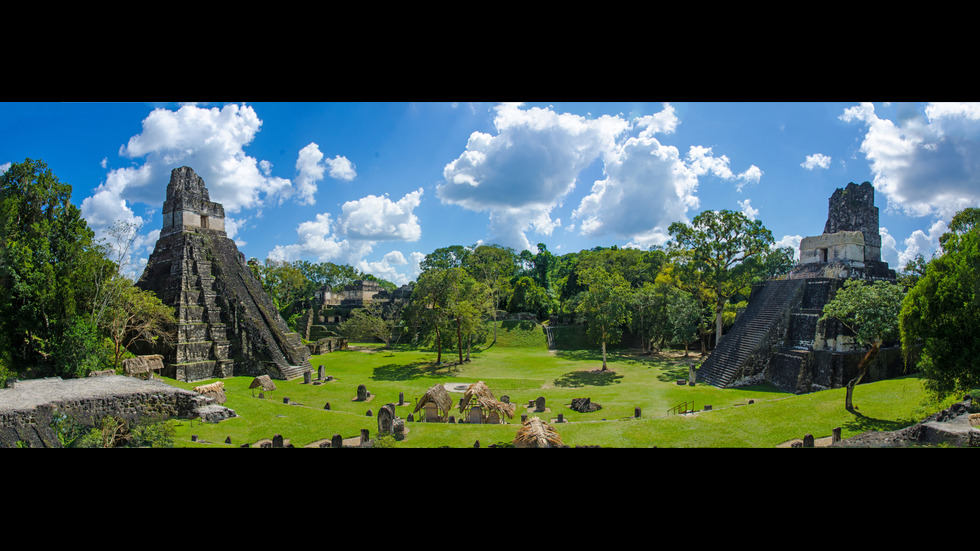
x=214 y=390
x=142 y=364
x=481 y=392
x=264 y=382
x=535 y=433
x=438 y=395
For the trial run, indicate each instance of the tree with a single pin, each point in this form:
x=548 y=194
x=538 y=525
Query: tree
x=605 y=307
x=727 y=249
x=284 y=282
x=377 y=320
x=684 y=317
x=649 y=319
x=135 y=316
x=941 y=313
x=528 y=296
x=913 y=271
x=453 y=256
x=492 y=265
x=870 y=311
x=775 y=262
x=681 y=273
x=428 y=308
x=47 y=265
x=465 y=301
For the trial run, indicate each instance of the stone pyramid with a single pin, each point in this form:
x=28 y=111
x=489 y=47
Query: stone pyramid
x=227 y=324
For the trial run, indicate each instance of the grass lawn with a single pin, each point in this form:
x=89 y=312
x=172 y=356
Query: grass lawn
x=520 y=366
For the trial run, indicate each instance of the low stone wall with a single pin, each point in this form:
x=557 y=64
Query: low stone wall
x=27 y=408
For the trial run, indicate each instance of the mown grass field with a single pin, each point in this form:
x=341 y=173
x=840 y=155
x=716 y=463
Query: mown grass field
x=520 y=366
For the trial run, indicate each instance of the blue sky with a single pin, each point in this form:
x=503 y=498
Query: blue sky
x=379 y=185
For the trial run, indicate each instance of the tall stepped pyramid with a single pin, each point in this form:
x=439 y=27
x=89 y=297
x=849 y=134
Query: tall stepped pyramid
x=780 y=339
x=227 y=324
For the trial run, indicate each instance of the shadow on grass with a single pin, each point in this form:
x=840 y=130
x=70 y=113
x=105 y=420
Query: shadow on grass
x=586 y=355
x=403 y=372
x=863 y=423
x=577 y=379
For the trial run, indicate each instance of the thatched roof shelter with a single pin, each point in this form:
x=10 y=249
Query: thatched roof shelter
x=482 y=395
x=438 y=395
x=264 y=382
x=214 y=390
x=535 y=433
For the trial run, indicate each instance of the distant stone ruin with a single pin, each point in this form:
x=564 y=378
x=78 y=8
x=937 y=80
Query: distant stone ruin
x=227 y=324
x=331 y=308
x=780 y=339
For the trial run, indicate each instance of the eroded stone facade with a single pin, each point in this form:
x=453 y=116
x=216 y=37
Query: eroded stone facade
x=850 y=245
x=227 y=324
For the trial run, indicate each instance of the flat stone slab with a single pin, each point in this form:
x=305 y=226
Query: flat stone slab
x=30 y=394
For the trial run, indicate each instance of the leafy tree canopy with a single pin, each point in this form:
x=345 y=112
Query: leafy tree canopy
x=941 y=313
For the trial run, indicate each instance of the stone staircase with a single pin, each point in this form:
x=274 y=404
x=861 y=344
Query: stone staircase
x=203 y=348
x=753 y=330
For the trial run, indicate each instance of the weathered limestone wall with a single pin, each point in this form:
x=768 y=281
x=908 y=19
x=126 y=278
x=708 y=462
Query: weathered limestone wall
x=189 y=206
x=28 y=407
x=852 y=208
x=831 y=247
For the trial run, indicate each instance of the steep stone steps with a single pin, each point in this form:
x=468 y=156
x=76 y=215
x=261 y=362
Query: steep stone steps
x=751 y=330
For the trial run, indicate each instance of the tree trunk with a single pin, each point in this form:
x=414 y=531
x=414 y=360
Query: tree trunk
x=438 y=346
x=719 y=308
x=603 y=355
x=862 y=369
x=459 y=340
x=494 y=318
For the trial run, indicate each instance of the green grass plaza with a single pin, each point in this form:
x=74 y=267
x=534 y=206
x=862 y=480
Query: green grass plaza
x=520 y=366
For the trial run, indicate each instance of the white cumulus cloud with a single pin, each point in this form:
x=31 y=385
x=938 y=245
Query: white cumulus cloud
x=378 y=218
x=361 y=225
x=748 y=210
x=647 y=187
x=791 y=241
x=701 y=160
x=925 y=165
x=817 y=160
x=524 y=171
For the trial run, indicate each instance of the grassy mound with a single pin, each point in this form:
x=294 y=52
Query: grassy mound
x=520 y=334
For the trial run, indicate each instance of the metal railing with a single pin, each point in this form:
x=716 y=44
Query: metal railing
x=681 y=408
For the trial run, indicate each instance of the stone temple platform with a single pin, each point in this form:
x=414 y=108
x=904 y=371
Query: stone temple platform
x=27 y=408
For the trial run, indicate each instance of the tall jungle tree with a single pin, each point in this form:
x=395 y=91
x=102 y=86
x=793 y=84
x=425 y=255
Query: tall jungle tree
x=605 y=307
x=726 y=248
x=493 y=265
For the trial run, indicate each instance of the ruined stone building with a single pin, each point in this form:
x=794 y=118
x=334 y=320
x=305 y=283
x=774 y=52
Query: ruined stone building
x=227 y=324
x=334 y=307
x=780 y=339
